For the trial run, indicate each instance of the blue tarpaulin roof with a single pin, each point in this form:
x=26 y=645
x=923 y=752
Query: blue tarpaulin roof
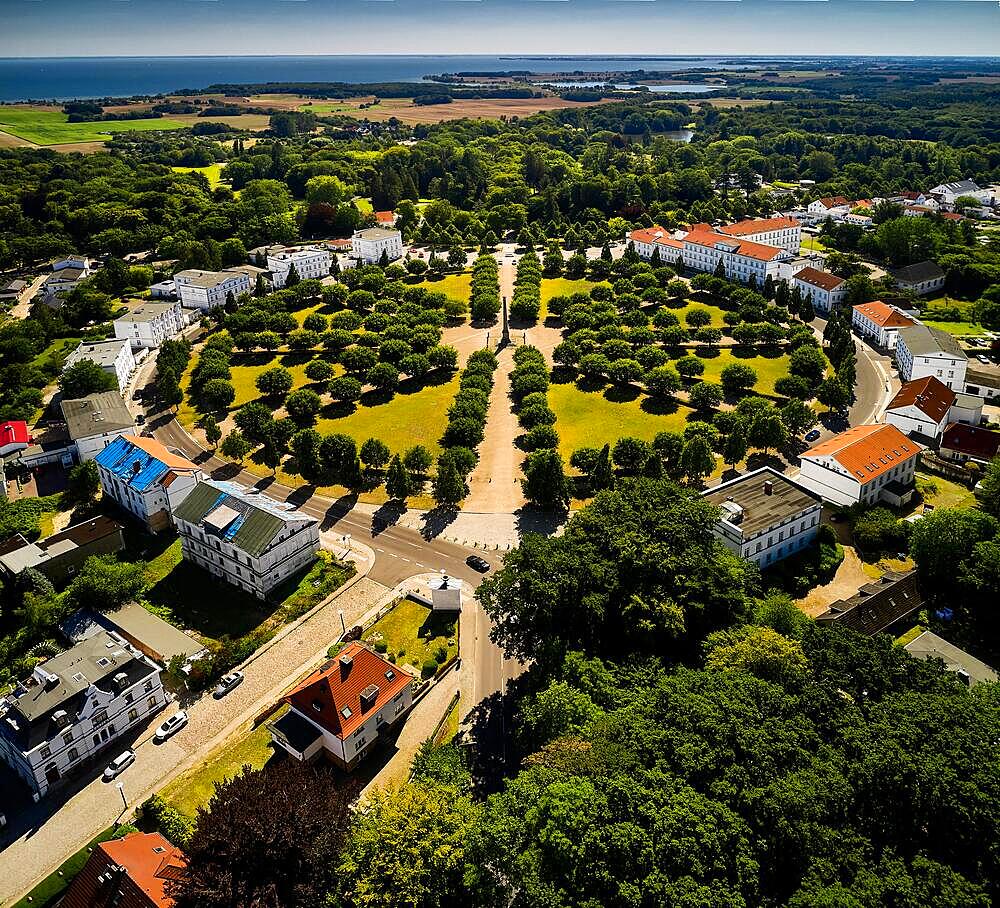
x=131 y=464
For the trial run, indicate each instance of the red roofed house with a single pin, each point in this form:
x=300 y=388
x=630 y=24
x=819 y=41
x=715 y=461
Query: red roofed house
x=961 y=443
x=921 y=406
x=385 y=218
x=341 y=709
x=831 y=206
x=648 y=240
x=824 y=290
x=785 y=233
x=879 y=323
x=742 y=259
x=865 y=464
x=14 y=436
x=132 y=872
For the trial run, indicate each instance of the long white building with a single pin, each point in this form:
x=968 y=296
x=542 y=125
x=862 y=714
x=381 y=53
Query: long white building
x=742 y=259
x=207 y=289
x=369 y=245
x=922 y=351
x=311 y=263
x=785 y=233
x=150 y=324
x=74 y=706
x=114 y=356
x=244 y=537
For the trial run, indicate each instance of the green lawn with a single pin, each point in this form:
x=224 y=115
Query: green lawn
x=328 y=107
x=768 y=369
x=413 y=633
x=714 y=311
x=944 y=493
x=194 y=788
x=363 y=205
x=56 y=353
x=955 y=327
x=454 y=286
x=562 y=286
x=812 y=243
x=212 y=173
x=52 y=127
x=602 y=416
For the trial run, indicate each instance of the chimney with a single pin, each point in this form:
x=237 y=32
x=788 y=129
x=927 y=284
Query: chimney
x=768 y=487
x=136 y=467
x=121 y=680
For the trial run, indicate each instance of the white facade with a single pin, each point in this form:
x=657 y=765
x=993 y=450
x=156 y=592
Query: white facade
x=89 y=446
x=948 y=366
x=949 y=192
x=967 y=409
x=311 y=263
x=741 y=260
x=646 y=241
x=113 y=356
x=824 y=296
x=208 y=289
x=368 y=245
x=93 y=693
x=879 y=324
x=912 y=420
x=781 y=232
x=149 y=325
x=835 y=208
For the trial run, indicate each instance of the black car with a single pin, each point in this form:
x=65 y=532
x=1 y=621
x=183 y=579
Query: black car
x=478 y=563
x=813 y=435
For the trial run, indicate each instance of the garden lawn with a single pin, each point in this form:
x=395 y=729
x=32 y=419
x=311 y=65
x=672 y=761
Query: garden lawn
x=56 y=353
x=812 y=243
x=212 y=173
x=957 y=328
x=454 y=286
x=413 y=633
x=52 y=127
x=769 y=369
x=194 y=788
x=594 y=418
x=944 y=493
x=563 y=286
x=714 y=311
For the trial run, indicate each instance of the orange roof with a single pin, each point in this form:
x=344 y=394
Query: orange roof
x=656 y=235
x=822 y=279
x=149 y=861
x=758 y=225
x=929 y=395
x=154 y=449
x=335 y=687
x=385 y=217
x=834 y=201
x=866 y=452
x=745 y=248
x=952 y=216
x=883 y=315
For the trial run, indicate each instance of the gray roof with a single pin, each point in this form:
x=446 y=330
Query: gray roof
x=15 y=286
x=918 y=272
x=62 y=682
x=32 y=554
x=104 y=353
x=762 y=509
x=921 y=340
x=144 y=630
x=958 y=187
x=206 y=279
x=877 y=606
x=96 y=414
x=967 y=401
x=147 y=312
x=976 y=375
x=64 y=274
x=375 y=233
x=930 y=646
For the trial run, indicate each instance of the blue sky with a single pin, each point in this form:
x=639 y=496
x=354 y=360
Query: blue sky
x=251 y=27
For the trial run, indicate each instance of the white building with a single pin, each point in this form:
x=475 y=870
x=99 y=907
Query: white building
x=785 y=233
x=146 y=479
x=369 y=245
x=865 y=464
x=311 y=263
x=244 y=537
x=765 y=516
x=650 y=239
x=113 y=356
x=150 y=324
x=741 y=259
x=947 y=193
x=923 y=351
x=74 y=706
x=163 y=289
x=879 y=324
x=921 y=407
x=93 y=422
x=824 y=290
x=208 y=289
x=922 y=278
x=340 y=711
x=830 y=207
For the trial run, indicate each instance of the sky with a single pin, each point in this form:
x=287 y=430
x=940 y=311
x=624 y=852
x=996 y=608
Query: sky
x=32 y=28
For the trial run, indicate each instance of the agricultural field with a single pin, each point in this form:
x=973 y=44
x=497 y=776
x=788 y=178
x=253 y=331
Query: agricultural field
x=406 y=111
x=52 y=127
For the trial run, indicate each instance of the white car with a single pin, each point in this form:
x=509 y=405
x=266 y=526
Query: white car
x=983 y=359
x=171 y=726
x=226 y=684
x=119 y=764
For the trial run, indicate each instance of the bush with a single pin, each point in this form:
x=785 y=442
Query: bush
x=441 y=654
x=174 y=826
x=428 y=669
x=879 y=530
x=381 y=646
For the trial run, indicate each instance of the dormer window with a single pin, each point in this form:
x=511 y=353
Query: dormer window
x=346 y=712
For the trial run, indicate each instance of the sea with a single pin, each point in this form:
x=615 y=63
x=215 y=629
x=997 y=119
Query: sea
x=63 y=78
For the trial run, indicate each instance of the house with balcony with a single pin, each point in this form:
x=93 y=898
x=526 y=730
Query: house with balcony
x=371 y=244
x=150 y=323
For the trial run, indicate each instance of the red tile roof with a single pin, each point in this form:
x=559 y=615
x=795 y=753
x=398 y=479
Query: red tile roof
x=822 y=279
x=709 y=238
x=149 y=861
x=971 y=441
x=657 y=235
x=952 y=216
x=867 y=452
x=758 y=225
x=929 y=395
x=884 y=315
x=385 y=217
x=834 y=201
x=330 y=689
x=14 y=431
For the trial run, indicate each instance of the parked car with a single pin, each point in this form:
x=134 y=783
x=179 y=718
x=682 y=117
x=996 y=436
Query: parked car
x=119 y=764
x=139 y=394
x=227 y=683
x=140 y=419
x=477 y=563
x=983 y=358
x=171 y=726
x=812 y=435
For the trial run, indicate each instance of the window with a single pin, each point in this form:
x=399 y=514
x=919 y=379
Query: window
x=111 y=728
x=152 y=701
x=72 y=755
x=128 y=697
x=100 y=717
x=133 y=714
x=148 y=686
x=398 y=709
x=68 y=737
x=45 y=752
x=97 y=740
x=360 y=743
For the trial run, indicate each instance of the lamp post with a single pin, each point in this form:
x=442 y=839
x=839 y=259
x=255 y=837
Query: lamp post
x=121 y=791
x=347 y=544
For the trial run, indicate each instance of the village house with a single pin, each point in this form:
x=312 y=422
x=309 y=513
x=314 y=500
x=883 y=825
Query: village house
x=863 y=465
x=981 y=381
x=114 y=356
x=149 y=324
x=824 y=290
x=205 y=290
x=146 y=479
x=371 y=244
x=765 y=516
x=62 y=554
x=94 y=421
x=877 y=606
x=961 y=443
x=925 y=406
x=921 y=279
x=243 y=537
x=879 y=323
x=340 y=710
x=923 y=351
x=311 y=263
x=74 y=706
x=829 y=207
x=385 y=219
x=11 y=291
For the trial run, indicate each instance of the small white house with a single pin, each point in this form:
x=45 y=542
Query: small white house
x=865 y=464
x=207 y=289
x=921 y=407
x=96 y=420
x=311 y=263
x=149 y=324
x=829 y=207
x=369 y=245
x=341 y=710
x=947 y=193
x=765 y=517
x=922 y=278
x=113 y=356
x=824 y=290
x=923 y=351
x=879 y=324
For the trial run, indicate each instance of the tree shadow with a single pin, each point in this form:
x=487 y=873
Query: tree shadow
x=531 y=519
x=759 y=459
x=590 y=383
x=338 y=510
x=338 y=410
x=621 y=394
x=387 y=515
x=437 y=520
x=706 y=352
x=227 y=471
x=835 y=422
x=296 y=358
x=301 y=495
x=659 y=406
